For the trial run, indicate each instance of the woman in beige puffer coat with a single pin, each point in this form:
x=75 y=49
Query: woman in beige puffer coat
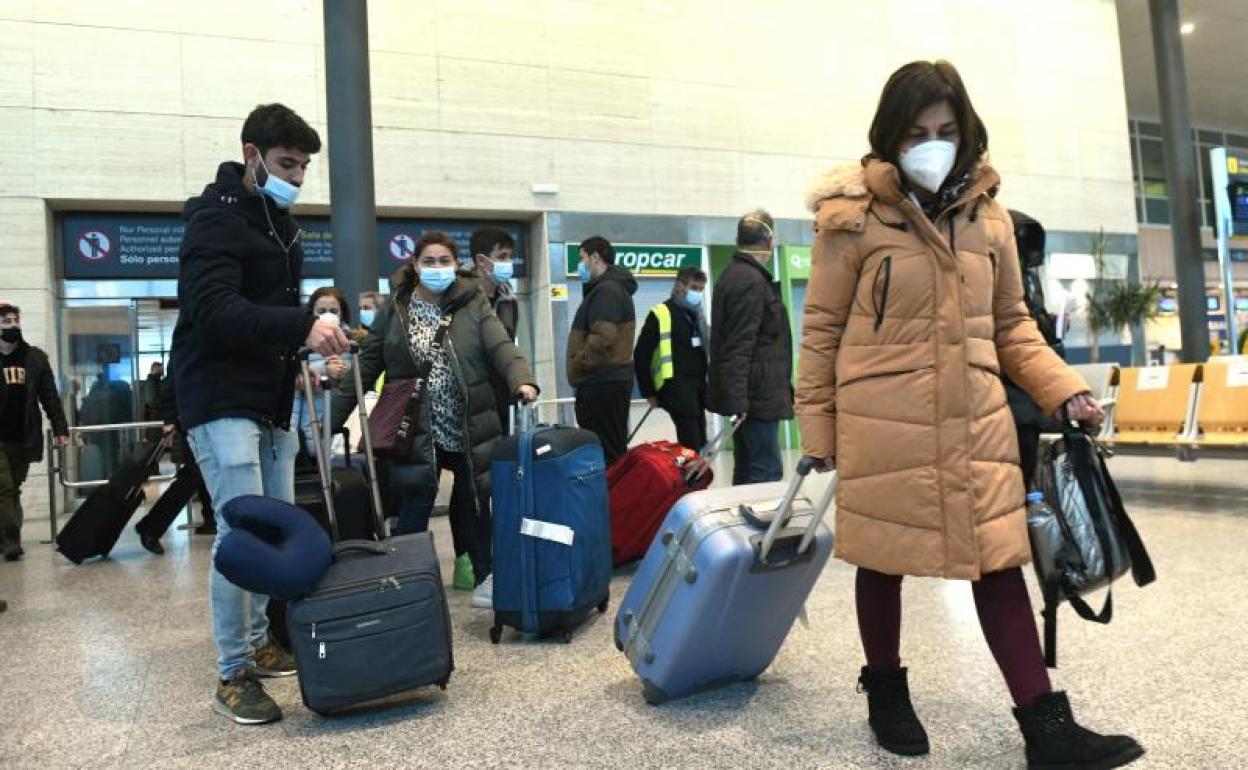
x=914 y=309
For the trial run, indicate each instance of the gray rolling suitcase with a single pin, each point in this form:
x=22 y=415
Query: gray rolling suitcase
x=720 y=587
x=377 y=623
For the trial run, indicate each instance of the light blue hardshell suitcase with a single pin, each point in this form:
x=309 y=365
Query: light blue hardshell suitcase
x=721 y=585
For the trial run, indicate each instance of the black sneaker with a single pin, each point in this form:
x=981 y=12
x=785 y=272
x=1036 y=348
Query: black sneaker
x=273 y=661
x=151 y=543
x=207 y=528
x=244 y=700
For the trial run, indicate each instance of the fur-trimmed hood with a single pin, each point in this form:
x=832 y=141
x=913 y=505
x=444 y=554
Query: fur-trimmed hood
x=844 y=181
x=883 y=181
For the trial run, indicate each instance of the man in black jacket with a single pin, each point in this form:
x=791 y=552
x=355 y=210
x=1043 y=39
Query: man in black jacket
x=752 y=353
x=670 y=358
x=234 y=366
x=492 y=250
x=600 y=346
x=27 y=383
x=1029 y=419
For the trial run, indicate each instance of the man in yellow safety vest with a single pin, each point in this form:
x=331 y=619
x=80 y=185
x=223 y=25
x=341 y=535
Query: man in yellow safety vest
x=670 y=357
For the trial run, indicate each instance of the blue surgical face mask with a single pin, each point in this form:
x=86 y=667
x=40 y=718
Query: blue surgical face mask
x=282 y=193
x=502 y=272
x=366 y=316
x=693 y=299
x=437 y=279
x=582 y=270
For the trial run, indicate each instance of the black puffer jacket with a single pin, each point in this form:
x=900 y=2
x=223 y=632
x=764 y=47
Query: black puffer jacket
x=241 y=319
x=479 y=346
x=1030 y=238
x=751 y=367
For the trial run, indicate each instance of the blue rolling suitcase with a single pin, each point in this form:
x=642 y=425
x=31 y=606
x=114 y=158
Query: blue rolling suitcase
x=552 y=529
x=721 y=585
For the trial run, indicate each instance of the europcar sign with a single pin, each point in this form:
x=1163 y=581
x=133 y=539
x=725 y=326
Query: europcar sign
x=648 y=259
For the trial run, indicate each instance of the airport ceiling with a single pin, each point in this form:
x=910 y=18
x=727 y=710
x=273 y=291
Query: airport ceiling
x=1216 y=56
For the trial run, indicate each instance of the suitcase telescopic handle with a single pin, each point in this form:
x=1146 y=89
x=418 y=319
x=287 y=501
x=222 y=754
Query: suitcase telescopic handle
x=713 y=447
x=322 y=436
x=785 y=510
x=528 y=416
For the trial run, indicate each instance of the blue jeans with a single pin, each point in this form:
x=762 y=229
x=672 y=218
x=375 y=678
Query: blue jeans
x=756 y=453
x=239 y=457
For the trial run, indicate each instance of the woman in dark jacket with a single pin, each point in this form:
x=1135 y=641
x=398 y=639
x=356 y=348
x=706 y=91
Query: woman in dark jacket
x=457 y=425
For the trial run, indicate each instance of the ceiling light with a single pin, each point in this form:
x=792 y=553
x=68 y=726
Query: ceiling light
x=1187 y=28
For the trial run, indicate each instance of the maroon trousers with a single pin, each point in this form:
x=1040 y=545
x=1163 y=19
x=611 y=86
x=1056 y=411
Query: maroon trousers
x=1004 y=610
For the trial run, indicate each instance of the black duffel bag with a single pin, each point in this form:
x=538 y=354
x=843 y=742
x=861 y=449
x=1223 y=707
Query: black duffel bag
x=1083 y=539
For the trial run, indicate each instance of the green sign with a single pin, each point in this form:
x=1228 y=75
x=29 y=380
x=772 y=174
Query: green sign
x=797 y=261
x=649 y=259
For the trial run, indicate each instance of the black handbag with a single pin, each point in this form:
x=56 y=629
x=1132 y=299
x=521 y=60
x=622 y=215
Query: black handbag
x=1084 y=540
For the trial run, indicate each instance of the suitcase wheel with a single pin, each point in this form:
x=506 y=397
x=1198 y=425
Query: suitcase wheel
x=496 y=634
x=442 y=684
x=565 y=636
x=653 y=695
x=604 y=604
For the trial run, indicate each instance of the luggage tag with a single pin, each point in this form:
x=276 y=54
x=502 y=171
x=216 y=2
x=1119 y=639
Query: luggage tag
x=545 y=530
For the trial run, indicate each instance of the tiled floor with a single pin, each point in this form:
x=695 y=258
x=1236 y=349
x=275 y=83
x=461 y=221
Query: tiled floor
x=109 y=665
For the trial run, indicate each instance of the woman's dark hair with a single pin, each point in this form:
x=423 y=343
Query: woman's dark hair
x=914 y=88
x=435 y=238
x=331 y=291
x=276 y=125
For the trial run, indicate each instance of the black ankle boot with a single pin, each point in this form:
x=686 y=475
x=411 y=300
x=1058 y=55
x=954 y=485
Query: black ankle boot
x=892 y=718
x=1054 y=740
x=13 y=544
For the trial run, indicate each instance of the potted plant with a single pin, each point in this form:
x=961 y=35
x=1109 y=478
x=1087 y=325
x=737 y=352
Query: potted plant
x=1116 y=304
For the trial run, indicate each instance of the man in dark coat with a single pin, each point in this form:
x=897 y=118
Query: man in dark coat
x=27 y=383
x=492 y=251
x=1029 y=419
x=752 y=353
x=600 y=346
x=234 y=366
x=670 y=358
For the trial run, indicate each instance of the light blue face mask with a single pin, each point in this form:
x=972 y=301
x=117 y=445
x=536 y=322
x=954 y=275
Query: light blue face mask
x=502 y=272
x=437 y=279
x=693 y=299
x=282 y=193
x=367 y=315
x=582 y=270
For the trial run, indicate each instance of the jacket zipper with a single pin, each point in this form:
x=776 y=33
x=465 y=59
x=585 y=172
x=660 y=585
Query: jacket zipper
x=463 y=389
x=886 y=268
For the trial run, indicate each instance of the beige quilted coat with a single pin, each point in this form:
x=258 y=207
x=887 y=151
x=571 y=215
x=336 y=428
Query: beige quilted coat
x=908 y=325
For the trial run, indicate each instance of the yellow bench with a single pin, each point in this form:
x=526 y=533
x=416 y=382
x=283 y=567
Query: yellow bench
x=1222 y=405
x=1155 y=404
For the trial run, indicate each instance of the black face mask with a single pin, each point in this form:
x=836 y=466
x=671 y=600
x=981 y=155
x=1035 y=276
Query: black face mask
x=12 y=335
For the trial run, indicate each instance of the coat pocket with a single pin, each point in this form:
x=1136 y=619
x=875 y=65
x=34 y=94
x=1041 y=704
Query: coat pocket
x=879 y=289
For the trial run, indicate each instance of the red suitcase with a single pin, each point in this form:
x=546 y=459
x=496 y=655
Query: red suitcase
x=646 y=482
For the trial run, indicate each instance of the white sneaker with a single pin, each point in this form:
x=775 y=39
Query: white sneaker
x=483 y=596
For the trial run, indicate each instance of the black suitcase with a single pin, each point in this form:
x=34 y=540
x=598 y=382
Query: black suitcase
x=378 y=622
x=356 y=520
x=94 y=528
